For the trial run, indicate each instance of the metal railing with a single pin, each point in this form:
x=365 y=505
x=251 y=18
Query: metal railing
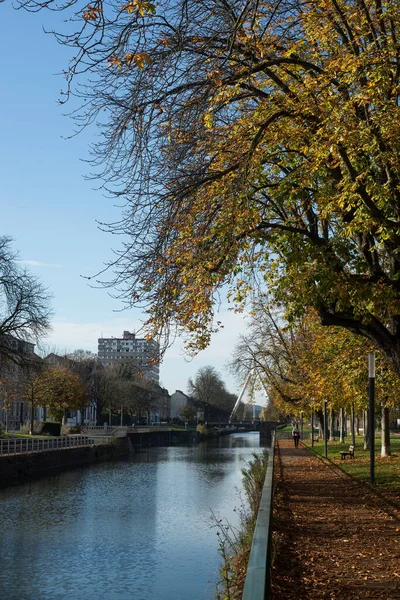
x=98 y=429
x=257 y=585
x=27 y=445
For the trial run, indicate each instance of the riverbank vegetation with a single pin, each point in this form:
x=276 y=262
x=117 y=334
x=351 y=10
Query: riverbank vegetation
x=235 y=543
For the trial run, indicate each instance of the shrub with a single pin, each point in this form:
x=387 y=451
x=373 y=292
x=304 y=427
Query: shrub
x=235 y=544
x=70 y=429
x=37 y=427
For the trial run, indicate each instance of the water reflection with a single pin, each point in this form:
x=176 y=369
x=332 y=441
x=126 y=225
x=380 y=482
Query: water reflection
x=140 y=529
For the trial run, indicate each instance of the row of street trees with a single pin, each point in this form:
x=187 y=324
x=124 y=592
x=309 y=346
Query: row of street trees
x=255 y=138
x=253 y=142
x=302 y=364
x=62 y=385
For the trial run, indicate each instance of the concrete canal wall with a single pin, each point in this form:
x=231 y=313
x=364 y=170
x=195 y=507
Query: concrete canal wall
x=18 y=468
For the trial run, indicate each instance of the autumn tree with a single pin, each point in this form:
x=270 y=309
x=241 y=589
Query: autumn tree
x=209 y=390
x=90 y=371
x=60 y=390
x=31 y=386
x=80 y=355
x=267 y=350
x=257 y=136
x=188 y=412
x=24 y=307
x=123 y=390
x=302 y=364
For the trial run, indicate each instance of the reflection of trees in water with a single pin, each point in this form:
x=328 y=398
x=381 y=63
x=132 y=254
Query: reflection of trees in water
x=123 y=526
x=211 y=473
x=73 y=524
x=213 y=458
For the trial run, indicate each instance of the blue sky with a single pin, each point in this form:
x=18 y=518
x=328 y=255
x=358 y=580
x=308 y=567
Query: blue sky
x=51 y=210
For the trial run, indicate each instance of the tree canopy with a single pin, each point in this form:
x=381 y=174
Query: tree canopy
x=303 y=364
x=208 y=388
x=25 y=309
x=248 y=138
x=60 y=390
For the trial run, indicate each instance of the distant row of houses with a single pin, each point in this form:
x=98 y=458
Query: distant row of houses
x=15 y=410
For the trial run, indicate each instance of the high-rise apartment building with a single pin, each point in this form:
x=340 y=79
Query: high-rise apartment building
x=145 y=353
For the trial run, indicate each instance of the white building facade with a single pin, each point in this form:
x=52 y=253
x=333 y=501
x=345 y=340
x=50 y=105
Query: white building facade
x=145 y=353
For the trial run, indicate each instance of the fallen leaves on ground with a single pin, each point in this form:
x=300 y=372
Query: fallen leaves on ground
x=332 y=536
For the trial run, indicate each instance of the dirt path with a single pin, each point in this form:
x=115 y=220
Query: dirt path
x=333 y=538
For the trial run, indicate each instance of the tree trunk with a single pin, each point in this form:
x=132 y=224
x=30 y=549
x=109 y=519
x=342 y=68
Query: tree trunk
x=122 y=415
x=366 y=430
x=385 y=448
x=341 y=425
x=32 y=419
x=331 y=425
x=320 y=420
x=352 y=428
x=357 y=424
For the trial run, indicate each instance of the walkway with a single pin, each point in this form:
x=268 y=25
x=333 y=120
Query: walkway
x=333 y=537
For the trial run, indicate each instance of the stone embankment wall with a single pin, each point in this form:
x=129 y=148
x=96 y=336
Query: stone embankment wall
x=22 y=467
x=266 y=429
x=18 y=468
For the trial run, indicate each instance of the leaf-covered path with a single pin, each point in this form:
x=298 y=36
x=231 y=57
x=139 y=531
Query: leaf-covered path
x=333 y=537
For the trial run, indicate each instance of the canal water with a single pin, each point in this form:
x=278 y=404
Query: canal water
x=141 y=529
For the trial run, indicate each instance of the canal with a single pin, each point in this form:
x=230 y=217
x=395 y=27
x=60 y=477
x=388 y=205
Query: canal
x=140 y=529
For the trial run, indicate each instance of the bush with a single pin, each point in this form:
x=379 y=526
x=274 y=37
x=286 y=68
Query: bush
x=37 y=427
x=70 y=429
x=235 y=544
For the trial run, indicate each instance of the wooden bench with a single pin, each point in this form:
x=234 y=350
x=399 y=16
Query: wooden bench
x=349 y=452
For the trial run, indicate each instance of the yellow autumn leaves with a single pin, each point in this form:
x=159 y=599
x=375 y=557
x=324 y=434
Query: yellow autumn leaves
x=142 y=7
x=138 y=7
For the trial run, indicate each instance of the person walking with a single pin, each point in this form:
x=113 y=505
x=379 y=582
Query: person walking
x=295 y=435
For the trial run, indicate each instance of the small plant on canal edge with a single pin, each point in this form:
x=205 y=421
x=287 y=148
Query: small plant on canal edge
x=235 y=544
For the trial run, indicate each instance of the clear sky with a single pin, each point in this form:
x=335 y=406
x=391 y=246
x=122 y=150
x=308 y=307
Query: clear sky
x=50 y=210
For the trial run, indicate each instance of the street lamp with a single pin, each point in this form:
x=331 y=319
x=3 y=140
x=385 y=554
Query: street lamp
x=371 y=393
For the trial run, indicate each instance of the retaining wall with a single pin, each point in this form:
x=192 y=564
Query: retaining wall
x=22 y=467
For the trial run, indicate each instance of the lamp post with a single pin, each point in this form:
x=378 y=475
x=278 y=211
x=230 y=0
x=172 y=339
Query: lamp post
x=325 y=429
x=371 y=393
